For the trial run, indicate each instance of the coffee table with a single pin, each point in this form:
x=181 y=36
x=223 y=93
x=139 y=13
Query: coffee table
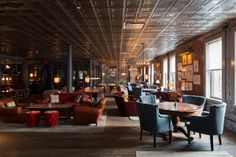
x=57 y=107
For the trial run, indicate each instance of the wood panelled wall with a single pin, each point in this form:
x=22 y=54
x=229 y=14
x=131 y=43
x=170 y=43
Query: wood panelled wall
x=197 y=48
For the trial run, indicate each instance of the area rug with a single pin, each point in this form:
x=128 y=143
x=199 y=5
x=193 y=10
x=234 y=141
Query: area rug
x=135 y=118
x=183 y=154
x=61 y=127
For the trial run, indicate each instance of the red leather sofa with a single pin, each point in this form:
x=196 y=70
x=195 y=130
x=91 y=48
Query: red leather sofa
x=87 y=114
x=125 y=108
x=64 y=98
x=10 y=114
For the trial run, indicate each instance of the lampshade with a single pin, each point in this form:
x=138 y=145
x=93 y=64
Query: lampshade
x=157 y=81
x=170 y=84
x=31 y=75
x=86 y=79
x=146 y=77
x=123 y=74
x=57 y=79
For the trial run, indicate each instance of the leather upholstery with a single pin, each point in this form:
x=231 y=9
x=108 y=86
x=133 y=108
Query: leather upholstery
x=125 y=108
x=10 y=114
x=32 y=118
x=51 y=118
x=86 y=114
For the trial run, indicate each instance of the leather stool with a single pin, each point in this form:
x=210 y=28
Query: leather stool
x=51 y=118
x=32 y=118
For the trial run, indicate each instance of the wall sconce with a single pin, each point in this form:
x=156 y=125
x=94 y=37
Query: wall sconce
x=31 y=75
x=87 y=79
x=57 y=79
x=146 y=77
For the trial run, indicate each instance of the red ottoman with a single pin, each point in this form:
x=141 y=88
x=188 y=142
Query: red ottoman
x=32 y=118
x=51 y=118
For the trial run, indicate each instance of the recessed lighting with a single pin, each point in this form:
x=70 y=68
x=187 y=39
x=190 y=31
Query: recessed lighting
x=78 y=7
x=133 y=25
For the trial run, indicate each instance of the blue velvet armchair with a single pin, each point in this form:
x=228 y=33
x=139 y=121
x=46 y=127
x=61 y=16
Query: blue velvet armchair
x=137 y=92
x=152 y=121
x=194 y=99
x=212 y=124
x=148 y=99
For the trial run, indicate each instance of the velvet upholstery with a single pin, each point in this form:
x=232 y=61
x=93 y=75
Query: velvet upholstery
x=137 y=92
x=211 y=124
x=152 y=121
x=194 y=99
x=130 y=90
x=148 y=99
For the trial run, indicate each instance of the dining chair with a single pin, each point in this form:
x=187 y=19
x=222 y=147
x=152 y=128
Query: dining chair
x=194 y=99
x=212 y=124
x=137 y=92
x=152 y=121
x=148 y=99
x=129 y=89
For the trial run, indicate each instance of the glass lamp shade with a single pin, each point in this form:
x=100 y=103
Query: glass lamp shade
x=87 y=79
x=57 y=79
x=157 y=81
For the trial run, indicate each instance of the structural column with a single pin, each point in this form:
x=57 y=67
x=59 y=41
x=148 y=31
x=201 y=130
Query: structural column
x=25 y=74
x=69 y=68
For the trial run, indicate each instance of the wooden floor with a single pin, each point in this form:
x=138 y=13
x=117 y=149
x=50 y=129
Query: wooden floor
x=120 y=139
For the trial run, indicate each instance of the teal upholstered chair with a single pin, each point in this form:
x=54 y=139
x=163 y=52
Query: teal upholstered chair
x=148 y=99
x=137 y=92
x=152 y=121
x=212 y=124
x=194 y=99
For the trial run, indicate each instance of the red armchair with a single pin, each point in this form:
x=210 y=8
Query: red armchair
x=126 y=108
x=10 y=114
x=87 y=114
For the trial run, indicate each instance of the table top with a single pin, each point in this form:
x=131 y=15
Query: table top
x=46 y=106
x=179 y=108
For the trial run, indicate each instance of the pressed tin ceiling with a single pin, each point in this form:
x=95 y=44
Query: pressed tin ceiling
x=40 y=29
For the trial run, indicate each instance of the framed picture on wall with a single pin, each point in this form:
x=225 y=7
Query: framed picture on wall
x=184 y=60
x=196 y=66
x=189 y=58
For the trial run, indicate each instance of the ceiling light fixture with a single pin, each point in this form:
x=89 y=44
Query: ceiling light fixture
x=133 y=25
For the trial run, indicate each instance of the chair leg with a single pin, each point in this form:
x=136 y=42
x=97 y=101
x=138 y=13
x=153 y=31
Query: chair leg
x=200 y=135
x=212 y=143
x=154 y=140
x=170 y=136
x=189 y=137
x=141 y=134
x=219 y=137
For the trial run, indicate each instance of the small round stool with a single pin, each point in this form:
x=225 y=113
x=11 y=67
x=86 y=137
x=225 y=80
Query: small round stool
x=32 y=118
x=51 y=118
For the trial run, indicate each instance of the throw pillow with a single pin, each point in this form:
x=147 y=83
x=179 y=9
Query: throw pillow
x=78 y=98
x=11 y=104
x=54 y=98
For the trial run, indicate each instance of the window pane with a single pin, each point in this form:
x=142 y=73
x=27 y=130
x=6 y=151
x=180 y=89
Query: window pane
x=216 y=84
x=214 y=69
x=172 y=72
x=165 y=73
x=215 y=54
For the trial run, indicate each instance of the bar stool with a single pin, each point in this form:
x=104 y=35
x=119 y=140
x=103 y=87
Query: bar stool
x=32 y=118
x=51 y=118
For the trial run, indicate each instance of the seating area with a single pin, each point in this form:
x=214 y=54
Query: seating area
x=118 y=78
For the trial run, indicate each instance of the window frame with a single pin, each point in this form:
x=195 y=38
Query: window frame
x=208 y=72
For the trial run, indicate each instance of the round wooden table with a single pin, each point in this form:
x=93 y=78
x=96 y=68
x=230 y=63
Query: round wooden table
x=176 y=110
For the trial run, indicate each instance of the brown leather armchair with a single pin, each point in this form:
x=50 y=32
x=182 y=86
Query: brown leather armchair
x=10 y=114
x=87 y=114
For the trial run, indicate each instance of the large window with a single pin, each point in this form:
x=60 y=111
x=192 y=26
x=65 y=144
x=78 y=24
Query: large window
x=165 y=73
x=172 y=72
x=214 y=69
x=151 y=74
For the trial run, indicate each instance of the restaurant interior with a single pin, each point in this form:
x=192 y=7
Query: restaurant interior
x=127 y=78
